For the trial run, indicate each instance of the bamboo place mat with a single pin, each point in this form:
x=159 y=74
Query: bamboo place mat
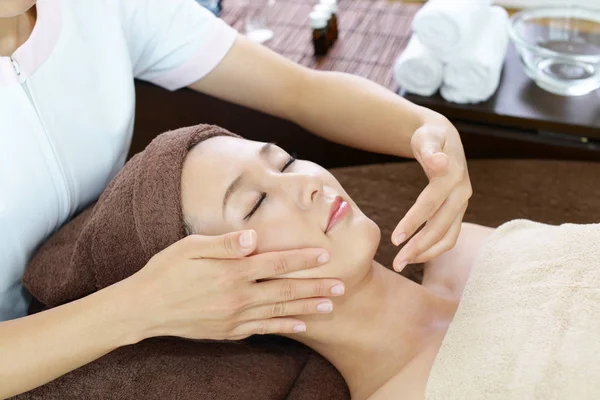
x=372 y=33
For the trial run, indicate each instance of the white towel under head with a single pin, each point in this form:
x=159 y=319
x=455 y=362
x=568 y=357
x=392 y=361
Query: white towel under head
x=473 y=74
x=418 y=71
x=446 y=26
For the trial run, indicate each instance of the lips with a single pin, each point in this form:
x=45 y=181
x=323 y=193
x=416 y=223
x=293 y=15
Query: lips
x=339 y=209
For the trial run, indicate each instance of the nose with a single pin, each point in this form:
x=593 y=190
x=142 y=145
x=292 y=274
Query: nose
x=304 y=188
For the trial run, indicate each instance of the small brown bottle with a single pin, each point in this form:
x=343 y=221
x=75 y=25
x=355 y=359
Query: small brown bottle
x=332 y=4
x=318 y=22
x=325 y=9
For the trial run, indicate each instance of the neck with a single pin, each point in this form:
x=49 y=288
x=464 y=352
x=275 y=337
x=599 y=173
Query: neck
x=14 y=31
x=378 y=327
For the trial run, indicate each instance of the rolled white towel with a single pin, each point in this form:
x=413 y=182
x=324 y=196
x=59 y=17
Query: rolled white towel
x=473 y=74
x=417 y=71
x=446 y=26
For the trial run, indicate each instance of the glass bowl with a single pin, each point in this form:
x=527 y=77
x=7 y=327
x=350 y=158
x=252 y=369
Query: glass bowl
x=559 y=47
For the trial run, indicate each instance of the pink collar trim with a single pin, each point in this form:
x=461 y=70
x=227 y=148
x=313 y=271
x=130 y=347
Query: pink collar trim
x=36 y=50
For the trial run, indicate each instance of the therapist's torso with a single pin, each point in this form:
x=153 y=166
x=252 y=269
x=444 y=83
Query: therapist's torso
x=67 y=105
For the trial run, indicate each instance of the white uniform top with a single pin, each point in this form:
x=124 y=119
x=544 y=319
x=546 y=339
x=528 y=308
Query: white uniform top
x=67 y=107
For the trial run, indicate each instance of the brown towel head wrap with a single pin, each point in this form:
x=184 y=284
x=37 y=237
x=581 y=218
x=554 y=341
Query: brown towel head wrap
x=138 y=215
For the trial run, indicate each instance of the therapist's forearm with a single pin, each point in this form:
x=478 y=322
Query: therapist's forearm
x=340 y=107
x=356 y=112
x=39 y=348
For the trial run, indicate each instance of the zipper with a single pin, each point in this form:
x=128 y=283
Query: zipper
x=17 y=69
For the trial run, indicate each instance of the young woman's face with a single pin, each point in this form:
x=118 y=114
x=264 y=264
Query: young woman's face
x=12 y=8
x=231 y=184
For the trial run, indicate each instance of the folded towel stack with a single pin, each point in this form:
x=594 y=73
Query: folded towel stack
x=458 y=45
x=417 y=70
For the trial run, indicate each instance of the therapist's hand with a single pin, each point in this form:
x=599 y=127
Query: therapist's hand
x=203 y=287
x=437 y=147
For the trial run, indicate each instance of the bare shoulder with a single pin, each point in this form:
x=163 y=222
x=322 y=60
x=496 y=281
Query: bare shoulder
x=449 y=272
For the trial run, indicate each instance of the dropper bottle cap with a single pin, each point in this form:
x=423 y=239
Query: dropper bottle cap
x=324 y=8
x=318 y=19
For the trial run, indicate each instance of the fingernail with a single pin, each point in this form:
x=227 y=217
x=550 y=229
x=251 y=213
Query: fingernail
x=338 y=289
x=300 y=328
x=325 y=307
x=401 y=265
x=245 y=239
x=323 y=258
x=399 y=238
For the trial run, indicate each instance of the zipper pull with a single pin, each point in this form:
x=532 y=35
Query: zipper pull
x=16 y=66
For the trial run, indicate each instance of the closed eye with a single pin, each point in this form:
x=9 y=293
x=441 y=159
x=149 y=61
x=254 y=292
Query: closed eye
x=261 y=198
x=289 y=162
x=263 y=195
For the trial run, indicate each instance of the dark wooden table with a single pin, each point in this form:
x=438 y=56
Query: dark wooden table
x=528 y=116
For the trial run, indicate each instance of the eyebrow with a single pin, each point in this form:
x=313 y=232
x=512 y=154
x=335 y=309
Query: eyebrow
x=263 y=152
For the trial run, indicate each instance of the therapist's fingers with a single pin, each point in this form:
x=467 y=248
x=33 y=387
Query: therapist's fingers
x=436 y=229
x=274 y=264
x=446 y=243
x=228 y=246
x=289 y=308
x=433 y=160
x=435 y=164
x=427 y=204
x=268 y=326
x=284 y=290
x=437 y=147
x=428 y=144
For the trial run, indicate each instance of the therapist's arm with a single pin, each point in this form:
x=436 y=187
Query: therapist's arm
x=39 y=348
x=201 y=287
x=357 y=112
x=340 y=107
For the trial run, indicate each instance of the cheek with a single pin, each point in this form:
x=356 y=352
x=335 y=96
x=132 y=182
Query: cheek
x=282 y=230
x=352 y=250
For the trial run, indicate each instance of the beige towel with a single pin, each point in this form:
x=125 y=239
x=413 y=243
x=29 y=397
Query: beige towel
x=528 y=326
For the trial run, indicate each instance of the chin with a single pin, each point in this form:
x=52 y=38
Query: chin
x=356 y=254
